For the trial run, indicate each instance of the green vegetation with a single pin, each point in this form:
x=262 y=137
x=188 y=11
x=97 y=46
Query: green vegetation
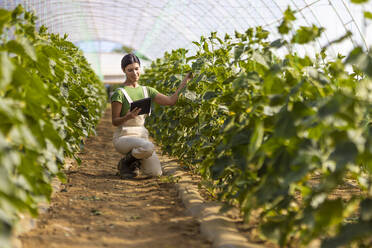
x=50 y=99
x=261 y=128
x=125 y=49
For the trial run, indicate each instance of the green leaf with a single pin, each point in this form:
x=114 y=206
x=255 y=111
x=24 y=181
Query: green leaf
x=366 y=209
x=360 y=59
x=196 y=43
x=274 y=230
x=240 y=82
x=285 y=125
x=306 y=34
x=238 y=51
x=368 y=14
x=205 y=46
x=348 y=233
x=284 y=27
x=259 y=58
x=190 y=95
x=278 y=43
x=261 y=33
x=4 y=19
x=286 y=23
x=227 y=37
x=344 y=153
x=276 y=100
x=219 y=166
x=198 y=64
x=22 y=135
x=209 y=95
x=329 y=214
x=28 y=48
x=51 y=52
x=241 y=138
x=359 y=1
x=355 y=54
x=19 y=10
x=238 y=35
x=289 y=14
x=21 y=48
x=257 y=138
x=6 y=70
x=330 y=108
x=8 y=165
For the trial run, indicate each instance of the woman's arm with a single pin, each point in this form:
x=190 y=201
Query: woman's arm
x=116 y=109
x=171 y=100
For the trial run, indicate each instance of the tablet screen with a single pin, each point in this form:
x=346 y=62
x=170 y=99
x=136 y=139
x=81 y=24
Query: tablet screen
x=143 y=104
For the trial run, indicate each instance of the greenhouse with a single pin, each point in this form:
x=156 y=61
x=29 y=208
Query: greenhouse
x=153 y=27
x=257 y=130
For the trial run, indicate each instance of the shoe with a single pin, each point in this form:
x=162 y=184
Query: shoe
x=128 y=167
x=127 y=171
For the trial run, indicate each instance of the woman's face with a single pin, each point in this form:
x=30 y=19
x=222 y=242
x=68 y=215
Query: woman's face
x=132 y=72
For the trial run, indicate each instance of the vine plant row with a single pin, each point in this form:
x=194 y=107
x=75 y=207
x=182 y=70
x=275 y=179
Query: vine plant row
x=50 y=99
x=275 y=135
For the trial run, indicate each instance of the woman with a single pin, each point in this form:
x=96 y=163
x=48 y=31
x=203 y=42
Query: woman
x=131 y=137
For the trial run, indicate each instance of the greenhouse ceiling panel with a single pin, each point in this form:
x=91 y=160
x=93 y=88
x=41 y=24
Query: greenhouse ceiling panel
x=153 y=27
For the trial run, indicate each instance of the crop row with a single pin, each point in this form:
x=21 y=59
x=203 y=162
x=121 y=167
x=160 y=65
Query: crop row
x=50 y=99
x=276 y=136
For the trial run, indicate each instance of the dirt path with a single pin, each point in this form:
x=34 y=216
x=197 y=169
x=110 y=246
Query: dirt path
x=97 y=209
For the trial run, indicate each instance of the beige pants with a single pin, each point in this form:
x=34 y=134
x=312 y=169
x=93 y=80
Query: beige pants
x=134 y=137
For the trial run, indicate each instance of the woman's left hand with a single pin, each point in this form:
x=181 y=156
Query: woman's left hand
x=171 y=100
x=188 y=77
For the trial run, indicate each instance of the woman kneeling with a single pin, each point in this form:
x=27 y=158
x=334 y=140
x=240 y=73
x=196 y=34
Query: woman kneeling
x=131 y=136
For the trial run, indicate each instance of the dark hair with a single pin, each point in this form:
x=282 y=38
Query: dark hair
x=129 y=59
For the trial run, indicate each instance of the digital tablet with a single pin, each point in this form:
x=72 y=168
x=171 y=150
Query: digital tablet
x=144 y=104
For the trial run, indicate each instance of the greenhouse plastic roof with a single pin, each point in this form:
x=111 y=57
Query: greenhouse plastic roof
x=153 y=27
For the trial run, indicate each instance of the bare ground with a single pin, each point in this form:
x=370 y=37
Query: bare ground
x=97 y=209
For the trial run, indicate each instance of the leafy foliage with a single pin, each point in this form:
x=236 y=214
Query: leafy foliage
x=50 y=99
x=261 y=128
x=359 y=1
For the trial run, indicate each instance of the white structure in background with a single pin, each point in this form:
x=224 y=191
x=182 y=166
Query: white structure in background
x=108 y=66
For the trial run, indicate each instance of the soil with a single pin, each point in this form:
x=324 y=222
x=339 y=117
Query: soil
x=97 y=209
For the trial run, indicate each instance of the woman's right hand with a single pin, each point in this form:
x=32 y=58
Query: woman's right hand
x=132 y=114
